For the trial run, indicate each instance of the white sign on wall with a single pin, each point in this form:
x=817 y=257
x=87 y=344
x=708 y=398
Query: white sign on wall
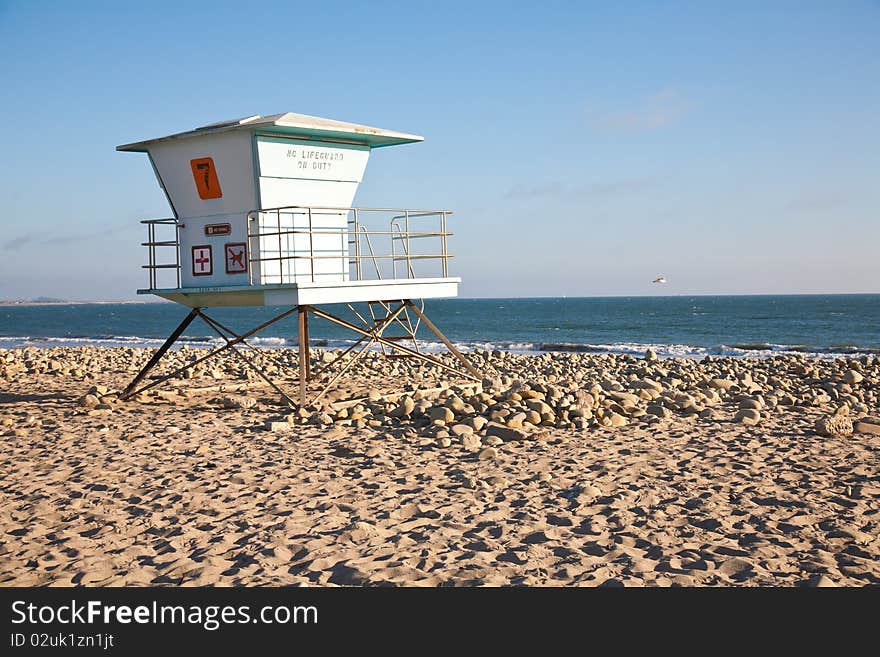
x=292 y=158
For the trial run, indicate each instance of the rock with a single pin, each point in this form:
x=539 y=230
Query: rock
x=373 y=452
x=721 y=384
x=533 y=417
x=471 y=442
x=708 y=414
x=625 y=399
x=538 y=406
x=276 y=427
x=507 y=434
x=492 y=441
x=404 y=408
x=751 y=403
x=89 y=401
x=584 y=400
x=462 y=429
x=441 y=413
x=444 y=441
x=748 y=416
x=488 y=453
x=867 y=425
x=516 y=421
x=834 y=425
x=237 y=402
x=617 y=420
x=659 y=411
x=650 y=355
x=852 y=377
x=477 y=422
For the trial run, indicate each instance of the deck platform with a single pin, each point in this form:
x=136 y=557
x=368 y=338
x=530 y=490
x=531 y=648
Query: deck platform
x=310 y=293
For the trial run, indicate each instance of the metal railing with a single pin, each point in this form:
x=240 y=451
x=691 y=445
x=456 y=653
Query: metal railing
x=340 y=240
x=153 y=265
x=301 y=243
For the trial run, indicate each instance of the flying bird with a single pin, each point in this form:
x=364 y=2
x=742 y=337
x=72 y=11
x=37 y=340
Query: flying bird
x=660 y=280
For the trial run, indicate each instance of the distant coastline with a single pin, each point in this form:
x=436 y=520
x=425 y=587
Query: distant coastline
x=63 y=302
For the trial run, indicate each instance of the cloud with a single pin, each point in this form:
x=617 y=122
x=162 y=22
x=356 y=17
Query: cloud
x=18 y=242
x=41 y=239
x=653 y=112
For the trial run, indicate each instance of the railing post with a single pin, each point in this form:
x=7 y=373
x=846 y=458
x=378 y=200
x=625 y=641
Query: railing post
x=409 y=269
x=177 y=250
x=444 y=260
x=357 y=247
x=247 y=232
x=151 y=238
x=280 y=261
x=311 y=245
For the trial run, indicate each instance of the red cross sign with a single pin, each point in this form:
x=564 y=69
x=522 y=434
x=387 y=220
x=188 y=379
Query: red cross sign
x=201 y=260
x=236 y=258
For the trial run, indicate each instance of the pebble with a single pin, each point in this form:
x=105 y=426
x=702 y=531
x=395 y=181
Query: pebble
x=471 y=442
x=852 y=377
x=488 y=453
x=867 y=425
x=506 y=434
x=748 y=416
x=834 y=425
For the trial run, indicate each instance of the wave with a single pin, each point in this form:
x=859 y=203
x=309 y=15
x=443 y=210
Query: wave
x=663 y=350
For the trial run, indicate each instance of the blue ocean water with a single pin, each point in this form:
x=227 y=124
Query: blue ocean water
x=819 y=325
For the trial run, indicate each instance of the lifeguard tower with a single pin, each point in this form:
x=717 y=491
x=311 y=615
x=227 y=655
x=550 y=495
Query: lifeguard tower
x=263 y=217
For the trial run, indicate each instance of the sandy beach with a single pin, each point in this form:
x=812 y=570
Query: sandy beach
x=555 y=470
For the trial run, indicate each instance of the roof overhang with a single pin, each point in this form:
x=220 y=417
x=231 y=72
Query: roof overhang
x=300 y=126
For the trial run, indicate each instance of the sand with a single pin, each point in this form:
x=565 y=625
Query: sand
x=191 y=487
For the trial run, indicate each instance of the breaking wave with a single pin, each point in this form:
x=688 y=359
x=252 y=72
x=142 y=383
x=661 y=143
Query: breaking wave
x=745 y=350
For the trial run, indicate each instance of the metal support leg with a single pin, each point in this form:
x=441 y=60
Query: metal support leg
x=470 y=368
x=216 y=326
x=375 y=334
x=473 y=374
x=305 y=332
x=213 y=352
x=157 y=356
x=303 y=353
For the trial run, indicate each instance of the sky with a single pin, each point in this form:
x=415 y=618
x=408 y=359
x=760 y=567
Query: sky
x=585 y=148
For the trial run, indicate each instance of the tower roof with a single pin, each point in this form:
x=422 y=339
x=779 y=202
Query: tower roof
x=292 y=125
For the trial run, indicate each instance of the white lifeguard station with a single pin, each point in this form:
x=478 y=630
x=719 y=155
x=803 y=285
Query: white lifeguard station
x=263 y=216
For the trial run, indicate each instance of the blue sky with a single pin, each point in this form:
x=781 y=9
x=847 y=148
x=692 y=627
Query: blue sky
x=585 y=147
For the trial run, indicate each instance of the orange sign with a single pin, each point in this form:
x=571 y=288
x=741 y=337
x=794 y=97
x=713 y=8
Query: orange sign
x=205 y=175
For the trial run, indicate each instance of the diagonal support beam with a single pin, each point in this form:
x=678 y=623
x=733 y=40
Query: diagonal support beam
x=157 y=356
x=211 y=322
x=415 y=354
x=375 y=334
x=464 y=361
x=210 y=354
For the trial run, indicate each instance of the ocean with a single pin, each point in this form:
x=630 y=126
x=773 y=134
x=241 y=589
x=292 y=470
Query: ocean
x=822 y=326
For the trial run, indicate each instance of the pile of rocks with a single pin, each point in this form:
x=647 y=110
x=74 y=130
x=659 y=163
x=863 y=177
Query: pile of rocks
x=533 y=394
x=523 y=397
